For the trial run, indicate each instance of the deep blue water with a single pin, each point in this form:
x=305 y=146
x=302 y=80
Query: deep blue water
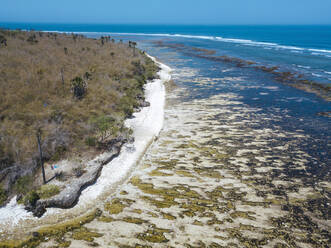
x=301 y=49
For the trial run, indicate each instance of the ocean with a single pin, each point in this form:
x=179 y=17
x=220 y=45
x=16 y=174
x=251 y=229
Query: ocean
x=243 y=159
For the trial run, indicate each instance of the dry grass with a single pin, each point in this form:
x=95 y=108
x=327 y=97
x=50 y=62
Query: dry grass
x=33 y=94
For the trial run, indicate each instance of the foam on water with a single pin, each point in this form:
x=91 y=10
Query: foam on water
x=245 y=42
x=12 y=213
x=320 y=50
x=232 y=40
x=218 y=38
x=305 y=67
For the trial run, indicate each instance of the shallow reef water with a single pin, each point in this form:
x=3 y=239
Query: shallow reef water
x=216 y=177
x=237 y=185
x=224 y=172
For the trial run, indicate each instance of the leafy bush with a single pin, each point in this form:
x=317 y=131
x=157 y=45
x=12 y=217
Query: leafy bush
x=104 y=125
x=3 y=40
x=59 y=152
x=90 y=141
x=87 y=75
x=47 y=191
x=23 y=185
x=6 y=155
x=3 y=196
x=78 y=87
x=32 y=39
x=31 y=198
x=126 y=105
x=78 y=171
x=56 y=116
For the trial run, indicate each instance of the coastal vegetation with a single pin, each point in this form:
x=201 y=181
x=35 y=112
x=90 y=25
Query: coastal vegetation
x=77 y=91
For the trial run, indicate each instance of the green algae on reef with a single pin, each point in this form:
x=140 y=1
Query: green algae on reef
x=154 y=235
x=55 y=231
x=235 y=192
x=115 y=206
x=84 y=234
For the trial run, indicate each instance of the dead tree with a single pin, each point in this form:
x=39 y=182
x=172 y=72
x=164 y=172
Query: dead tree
x=62 y=78
x=41 y=154
x=134 y=44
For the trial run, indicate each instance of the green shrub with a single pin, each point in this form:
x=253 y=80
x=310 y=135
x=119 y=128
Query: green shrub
x=104 y=125
x=6 y=154
x=78 y=87
x=32 y=39
x=59 y=153
x=3 y=40
x=3 y=196
x=48 y=190
x=87 y=75
x=78 y=171
x=31 y=198
x=56 y=116
x=23 y=185
x=126 y=105
x=90 y=141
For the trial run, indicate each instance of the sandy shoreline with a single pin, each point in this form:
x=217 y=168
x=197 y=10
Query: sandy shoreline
x=146 y=125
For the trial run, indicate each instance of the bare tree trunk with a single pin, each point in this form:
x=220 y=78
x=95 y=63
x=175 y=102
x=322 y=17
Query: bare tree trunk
x=62 y=77
x=134 y=44
x=41 y=155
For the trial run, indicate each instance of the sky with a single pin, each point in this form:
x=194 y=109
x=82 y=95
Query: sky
x=203 y=12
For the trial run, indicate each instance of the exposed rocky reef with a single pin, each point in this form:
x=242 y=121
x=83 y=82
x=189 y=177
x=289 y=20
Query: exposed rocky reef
x=292 y=79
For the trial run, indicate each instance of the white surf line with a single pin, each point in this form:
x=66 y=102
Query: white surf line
x=146 y=125
x=246 y=42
